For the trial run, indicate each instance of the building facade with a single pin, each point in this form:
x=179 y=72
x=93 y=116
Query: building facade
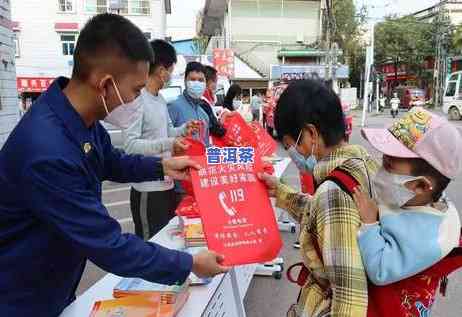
x=46 y=32
x=9 y=111
x=453 y=8
x=265 y=32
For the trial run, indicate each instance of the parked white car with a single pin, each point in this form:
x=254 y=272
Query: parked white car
x=452 y=100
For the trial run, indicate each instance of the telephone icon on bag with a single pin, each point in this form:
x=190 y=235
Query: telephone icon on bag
x=222 y=197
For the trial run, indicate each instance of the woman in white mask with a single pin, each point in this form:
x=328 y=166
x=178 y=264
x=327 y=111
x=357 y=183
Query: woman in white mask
x=310 y=115
x=232 y=100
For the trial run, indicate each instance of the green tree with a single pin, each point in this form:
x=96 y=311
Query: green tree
x=347 y=34
x=404 y=41
x=348 y=24
x=199 y=45
x=457 y=39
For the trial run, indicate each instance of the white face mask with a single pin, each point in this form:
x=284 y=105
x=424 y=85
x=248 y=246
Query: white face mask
x=124 y=115
x=195 y=88
x=236 y=104
x=390 y=188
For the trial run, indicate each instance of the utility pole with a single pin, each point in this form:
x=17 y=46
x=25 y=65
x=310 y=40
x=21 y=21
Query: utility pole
x=332 y=48
x=369 y=63
x=440 y=67
x=377 y=91
x=436 y=70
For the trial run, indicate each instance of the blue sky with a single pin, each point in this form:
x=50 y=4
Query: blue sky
x=380 y=8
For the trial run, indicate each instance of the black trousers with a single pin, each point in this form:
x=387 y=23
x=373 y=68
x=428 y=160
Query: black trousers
x=151 y=211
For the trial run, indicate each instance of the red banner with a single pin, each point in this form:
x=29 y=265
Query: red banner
x=223 y=61
x=33 y=84
x=237 y=216
x=188 y=208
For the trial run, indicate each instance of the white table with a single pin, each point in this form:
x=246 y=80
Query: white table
x=223 y=296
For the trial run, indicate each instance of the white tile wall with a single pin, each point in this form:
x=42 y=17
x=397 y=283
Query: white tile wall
x=40 y=45
x=9 y=113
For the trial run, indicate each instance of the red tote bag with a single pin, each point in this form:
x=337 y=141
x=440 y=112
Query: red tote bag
x=237 y=216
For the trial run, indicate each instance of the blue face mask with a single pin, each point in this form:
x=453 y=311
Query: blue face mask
x=303 y=164
x=195 y=88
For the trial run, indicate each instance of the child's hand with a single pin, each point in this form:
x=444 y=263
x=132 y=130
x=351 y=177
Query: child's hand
x=368 y=209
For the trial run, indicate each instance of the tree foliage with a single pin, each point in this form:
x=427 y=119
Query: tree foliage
x=348 y=24
x=199 y=45
x=347 y=34
x=404 y=41
x=457 y=39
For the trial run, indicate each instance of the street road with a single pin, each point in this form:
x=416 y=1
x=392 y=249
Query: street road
x=268 y=297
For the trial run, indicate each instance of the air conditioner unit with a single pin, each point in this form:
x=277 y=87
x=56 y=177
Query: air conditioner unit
x=300 y=38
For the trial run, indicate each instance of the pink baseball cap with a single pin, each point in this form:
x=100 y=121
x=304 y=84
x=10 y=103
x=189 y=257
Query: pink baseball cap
x=421 y=134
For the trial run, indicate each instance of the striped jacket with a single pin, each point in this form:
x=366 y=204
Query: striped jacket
x=330 y=222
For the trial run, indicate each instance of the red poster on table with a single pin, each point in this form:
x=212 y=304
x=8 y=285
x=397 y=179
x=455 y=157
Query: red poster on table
x=238 y=132
x=266 y=146
x=237 y=216
x=188 y=208
x=196 y=148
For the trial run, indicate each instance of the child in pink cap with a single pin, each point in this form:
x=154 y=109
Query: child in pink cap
x=411 y=225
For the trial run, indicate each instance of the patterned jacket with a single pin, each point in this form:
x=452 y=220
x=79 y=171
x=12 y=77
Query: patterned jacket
x=330 y=221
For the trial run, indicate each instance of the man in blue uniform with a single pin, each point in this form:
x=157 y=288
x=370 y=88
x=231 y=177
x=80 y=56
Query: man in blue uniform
x=51 y=168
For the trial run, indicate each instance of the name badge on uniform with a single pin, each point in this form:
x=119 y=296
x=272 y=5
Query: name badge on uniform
x=87 y=147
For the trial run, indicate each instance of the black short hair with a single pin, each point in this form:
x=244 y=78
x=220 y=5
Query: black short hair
x=310 y=102
x=164 y=54
x=194 y=67
x=420 y=167
x=109 y=35
x=233 y=91
x=210 y=73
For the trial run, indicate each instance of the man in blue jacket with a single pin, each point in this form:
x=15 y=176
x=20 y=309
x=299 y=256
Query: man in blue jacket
x=51 y=168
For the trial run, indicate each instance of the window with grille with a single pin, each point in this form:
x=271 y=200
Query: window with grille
x=16 y=44
x=66 y=5
x=96 y=6
x=135 y=7
x=142 y=7
x=68 y=43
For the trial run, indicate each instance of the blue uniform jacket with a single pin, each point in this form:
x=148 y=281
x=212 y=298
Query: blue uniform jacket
x=51 y=215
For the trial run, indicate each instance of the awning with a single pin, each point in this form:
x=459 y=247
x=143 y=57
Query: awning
x=33 y=84
x=65 y=26
x=251 y=83
x=15 y=25
x=305 y=53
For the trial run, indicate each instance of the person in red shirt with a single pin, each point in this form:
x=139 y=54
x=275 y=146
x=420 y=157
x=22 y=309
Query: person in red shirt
x=211 y=79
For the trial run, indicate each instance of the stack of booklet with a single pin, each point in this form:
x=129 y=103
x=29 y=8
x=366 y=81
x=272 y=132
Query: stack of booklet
x=134 y=306
x=135 y=297
x=194 y=235
x=170 y=294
